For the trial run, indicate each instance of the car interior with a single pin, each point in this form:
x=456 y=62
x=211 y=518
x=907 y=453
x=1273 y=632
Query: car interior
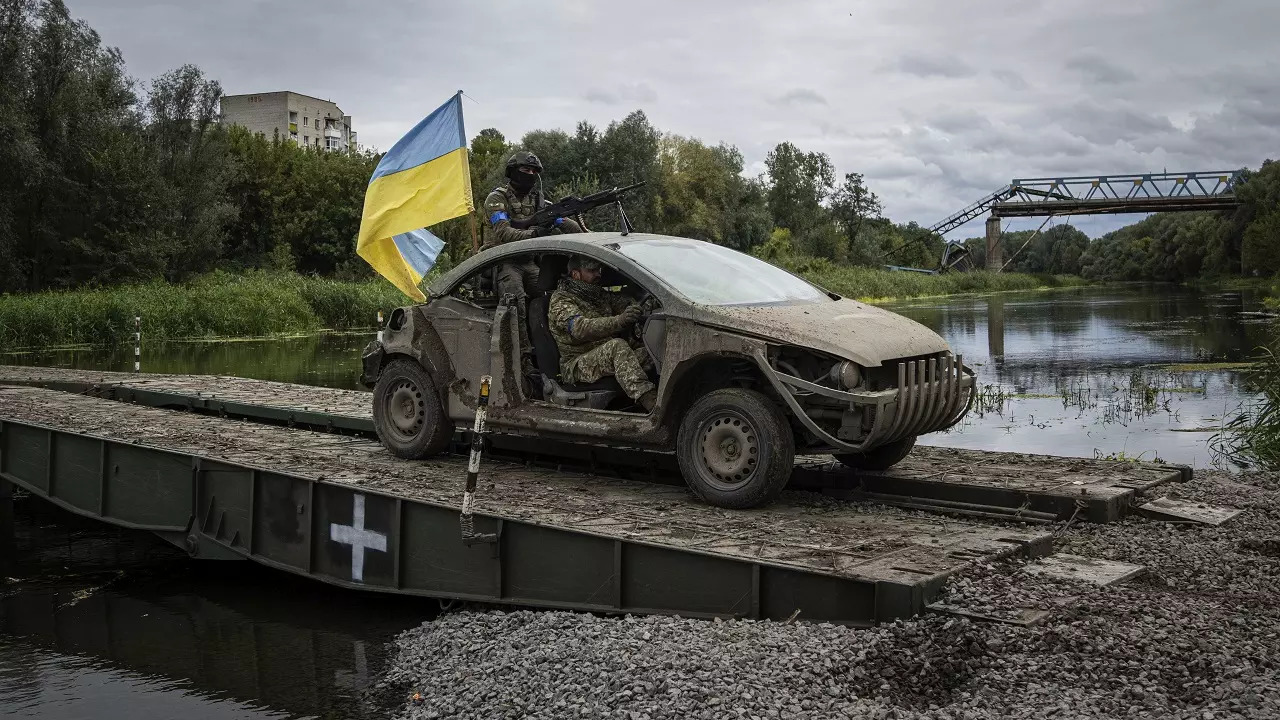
x=604 y=394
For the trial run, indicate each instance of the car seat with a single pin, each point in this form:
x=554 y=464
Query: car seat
x=546 y=353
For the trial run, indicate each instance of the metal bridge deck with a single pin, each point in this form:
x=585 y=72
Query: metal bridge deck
x=995 y=484
x=226 y=395
x=343 y=510
x=966 y=482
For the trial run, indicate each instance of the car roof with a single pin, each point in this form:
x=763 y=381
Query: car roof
x=591 y=243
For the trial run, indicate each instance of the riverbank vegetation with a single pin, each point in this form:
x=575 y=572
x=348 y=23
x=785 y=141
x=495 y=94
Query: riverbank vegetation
x=220 y=304
x=1252 y=438
x=878 y=284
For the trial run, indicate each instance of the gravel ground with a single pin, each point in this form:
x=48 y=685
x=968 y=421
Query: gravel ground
x=1196 y=637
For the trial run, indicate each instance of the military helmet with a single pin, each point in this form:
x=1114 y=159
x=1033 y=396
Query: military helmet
x=524 y=158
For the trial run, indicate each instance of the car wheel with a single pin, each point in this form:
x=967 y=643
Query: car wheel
x=735 y=448
x=880 y=458
x=407 y=413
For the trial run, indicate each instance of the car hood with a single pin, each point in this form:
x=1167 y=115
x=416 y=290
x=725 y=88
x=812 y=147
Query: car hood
x=846 y=328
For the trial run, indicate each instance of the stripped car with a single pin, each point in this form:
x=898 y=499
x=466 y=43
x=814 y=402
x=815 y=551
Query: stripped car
x=753 y=364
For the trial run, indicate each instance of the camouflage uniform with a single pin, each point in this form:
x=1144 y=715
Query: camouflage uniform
x=502 y=206
x=585 y=321
x=519 y=279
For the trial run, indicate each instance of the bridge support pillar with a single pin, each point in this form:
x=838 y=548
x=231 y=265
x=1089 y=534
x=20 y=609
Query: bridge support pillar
x=995 y=258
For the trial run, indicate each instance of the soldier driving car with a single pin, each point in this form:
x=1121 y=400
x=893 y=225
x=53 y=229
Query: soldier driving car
x=587 y=322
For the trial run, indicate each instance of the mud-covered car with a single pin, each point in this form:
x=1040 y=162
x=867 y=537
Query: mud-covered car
x=753 y=364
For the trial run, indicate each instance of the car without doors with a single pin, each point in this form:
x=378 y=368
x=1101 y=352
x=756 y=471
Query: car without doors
x=752 y=364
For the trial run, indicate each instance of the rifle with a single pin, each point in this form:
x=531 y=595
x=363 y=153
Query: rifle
x=573 y=205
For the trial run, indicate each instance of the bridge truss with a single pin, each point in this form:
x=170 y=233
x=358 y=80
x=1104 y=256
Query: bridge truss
x=1103 y=194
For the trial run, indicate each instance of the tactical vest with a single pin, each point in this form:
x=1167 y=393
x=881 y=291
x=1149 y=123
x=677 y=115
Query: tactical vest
x=517 y=208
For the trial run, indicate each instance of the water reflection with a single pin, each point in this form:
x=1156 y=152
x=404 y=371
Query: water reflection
x=1084 y=372
x=329 y=359
x=102 y=624
x=995 y=329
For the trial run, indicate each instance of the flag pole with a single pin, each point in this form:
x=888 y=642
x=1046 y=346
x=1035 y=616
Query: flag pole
x=471 y=216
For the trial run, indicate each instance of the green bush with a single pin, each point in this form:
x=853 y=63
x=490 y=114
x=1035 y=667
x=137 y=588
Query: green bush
x=219 y=304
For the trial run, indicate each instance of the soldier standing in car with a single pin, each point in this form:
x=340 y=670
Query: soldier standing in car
x=519 y=199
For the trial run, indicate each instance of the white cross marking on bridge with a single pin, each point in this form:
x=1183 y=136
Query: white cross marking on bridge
x=358 y=538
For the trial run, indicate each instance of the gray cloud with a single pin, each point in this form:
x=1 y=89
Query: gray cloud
x=928 y=66
x=1105 y=123
x=801 y=96
x=960 y=121
x=1011 y=79
x=1094 y=68
x=625 y=94
x=1039 y=89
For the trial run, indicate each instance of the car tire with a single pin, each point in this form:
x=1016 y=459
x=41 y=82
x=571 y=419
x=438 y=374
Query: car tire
x=880 y=458
x=407 y=413
x=735 y=448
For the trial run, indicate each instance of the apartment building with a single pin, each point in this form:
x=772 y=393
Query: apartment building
x=308 y=121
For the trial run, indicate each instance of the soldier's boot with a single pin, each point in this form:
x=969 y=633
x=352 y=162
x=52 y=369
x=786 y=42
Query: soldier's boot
x=648 y=400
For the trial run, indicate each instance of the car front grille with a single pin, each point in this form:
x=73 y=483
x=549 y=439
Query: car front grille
x=933 y=394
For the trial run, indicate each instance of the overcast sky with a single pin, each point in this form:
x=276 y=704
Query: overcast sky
x=937 y=102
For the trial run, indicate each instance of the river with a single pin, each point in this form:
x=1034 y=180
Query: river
x=98 y=623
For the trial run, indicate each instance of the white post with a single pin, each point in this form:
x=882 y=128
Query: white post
x=379 y=326
x=137 y=343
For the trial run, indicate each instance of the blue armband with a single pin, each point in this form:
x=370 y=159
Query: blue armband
x=559 y=222
x=569 y=322
x=497 y=217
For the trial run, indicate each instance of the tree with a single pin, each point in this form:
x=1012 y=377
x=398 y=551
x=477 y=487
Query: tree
x=1260 y=239
x=70 y=109
x=798 y=183
x=553 y=148
x=698 y=188
x=852 y=206
x=628 y=153
x=192 y=160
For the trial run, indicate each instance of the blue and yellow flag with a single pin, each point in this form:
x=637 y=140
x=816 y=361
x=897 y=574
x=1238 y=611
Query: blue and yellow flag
x=422 y=180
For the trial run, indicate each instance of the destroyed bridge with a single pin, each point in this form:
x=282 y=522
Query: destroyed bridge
x=1093 y=195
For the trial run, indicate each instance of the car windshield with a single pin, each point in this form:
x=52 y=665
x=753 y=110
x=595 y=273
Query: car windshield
x=710 y=274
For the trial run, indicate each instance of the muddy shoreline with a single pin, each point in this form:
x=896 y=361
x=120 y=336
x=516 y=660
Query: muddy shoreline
x=1196 y=636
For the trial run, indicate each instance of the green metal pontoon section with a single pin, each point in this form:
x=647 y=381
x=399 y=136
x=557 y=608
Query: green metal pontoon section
x=341 y=510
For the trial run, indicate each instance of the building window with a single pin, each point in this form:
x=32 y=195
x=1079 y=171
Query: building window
x=306 y=139
x=305 y=121
x=317 y=123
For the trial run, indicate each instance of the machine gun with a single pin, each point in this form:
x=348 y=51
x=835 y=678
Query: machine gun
x=573 y=206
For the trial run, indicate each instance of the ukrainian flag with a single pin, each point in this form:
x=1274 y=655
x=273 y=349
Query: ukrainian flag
x=422 y=180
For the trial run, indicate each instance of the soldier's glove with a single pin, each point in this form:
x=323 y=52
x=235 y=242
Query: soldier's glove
x=631 y=315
